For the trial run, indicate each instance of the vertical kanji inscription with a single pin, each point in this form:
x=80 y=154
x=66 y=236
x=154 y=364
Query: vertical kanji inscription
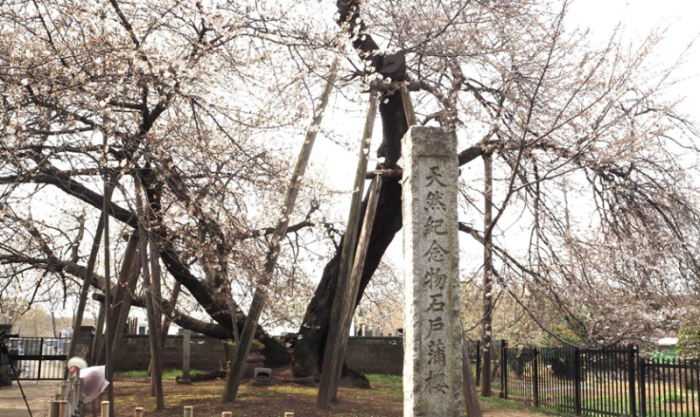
x=433 y=339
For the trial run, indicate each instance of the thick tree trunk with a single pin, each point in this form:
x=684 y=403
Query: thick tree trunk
x=314 y=329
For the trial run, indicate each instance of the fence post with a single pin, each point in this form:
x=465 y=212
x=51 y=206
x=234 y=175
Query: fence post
x=630 y=373
x=577 y=380
x=63 y=408
x=53 y=408
x=104 y=409
x=504 y=368
x=642 y=387
x=535 y=385
x=41 y=352
x=478 y=362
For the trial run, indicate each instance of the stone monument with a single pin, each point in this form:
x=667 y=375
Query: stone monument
x=432 y=370
x=186 y=344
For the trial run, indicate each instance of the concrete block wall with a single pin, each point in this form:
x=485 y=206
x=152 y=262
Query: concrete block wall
x=206 y=354
x=375 y=355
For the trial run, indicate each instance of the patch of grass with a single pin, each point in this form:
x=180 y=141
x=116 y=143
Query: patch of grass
x=503 y=403
x=388 y=385
x=388 y=380
x=169 y=374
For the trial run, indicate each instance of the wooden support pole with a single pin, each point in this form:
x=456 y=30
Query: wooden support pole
x=348 y=285
x=189 y=411
x=126 y=285
x=84 y=289
x=97 y=339
x=138 y=412
x=408 y=107
x=226 y=414
x=260 y=296
x=348 y=281
x=156 y=374
x=108 y=280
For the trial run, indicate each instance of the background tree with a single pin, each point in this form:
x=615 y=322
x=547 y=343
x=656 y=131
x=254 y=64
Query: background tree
x=189 y=98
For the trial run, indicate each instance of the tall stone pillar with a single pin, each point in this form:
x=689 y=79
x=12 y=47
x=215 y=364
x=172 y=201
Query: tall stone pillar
x=186 y=336
x=432 y=370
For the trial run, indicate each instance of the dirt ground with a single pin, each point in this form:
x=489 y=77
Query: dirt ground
x=38 y=395
x=383 y=399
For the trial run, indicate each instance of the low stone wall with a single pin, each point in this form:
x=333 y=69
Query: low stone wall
x=369 y=355
x=206 y=354
x=375 y=355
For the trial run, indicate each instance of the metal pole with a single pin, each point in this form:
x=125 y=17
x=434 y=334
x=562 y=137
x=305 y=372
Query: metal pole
x=577 y=380
x=535 y=384
x=504 y=368
x=642 y=387
x=631 y=378
x=41 y=354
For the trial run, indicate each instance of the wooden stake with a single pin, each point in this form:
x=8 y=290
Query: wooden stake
x=138 y=412
x=104 y=409
x=260 y=296
x=346 y=296
x=226 y=414
x=189 y=411
x=288 y=414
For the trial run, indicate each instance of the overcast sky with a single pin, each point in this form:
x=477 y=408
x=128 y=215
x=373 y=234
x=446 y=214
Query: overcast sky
x=639 y=18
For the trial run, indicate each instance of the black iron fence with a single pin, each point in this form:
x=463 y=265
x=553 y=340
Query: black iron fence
x=610 y=382
x=38 y=358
